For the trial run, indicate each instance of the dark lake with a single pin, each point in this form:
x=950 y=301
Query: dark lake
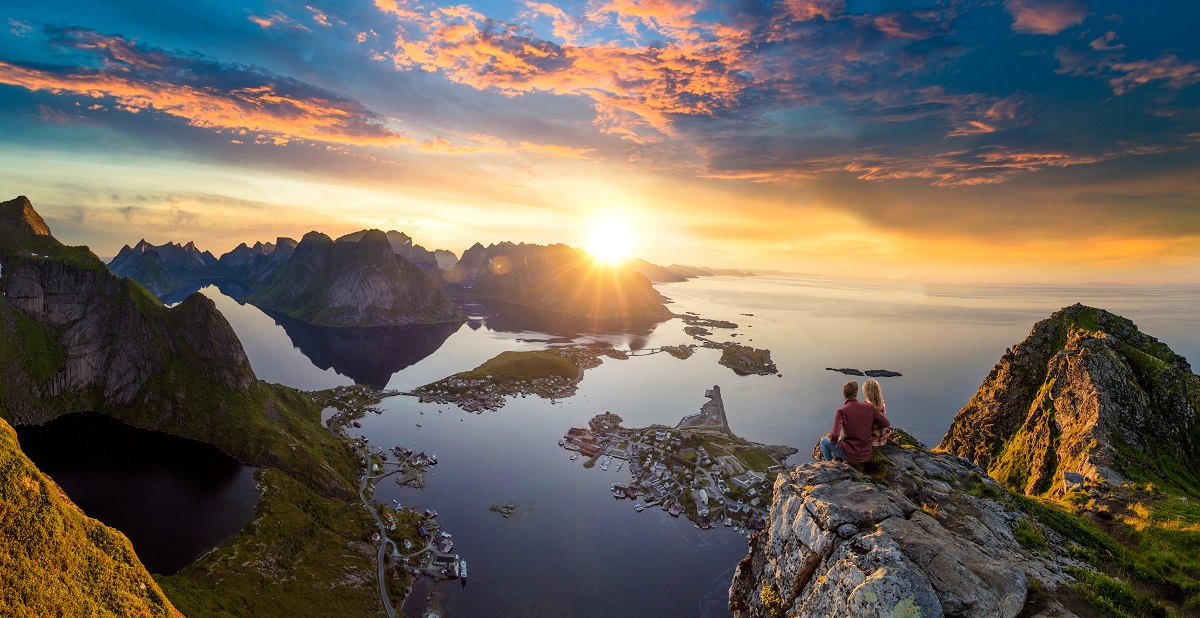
x=174 y=498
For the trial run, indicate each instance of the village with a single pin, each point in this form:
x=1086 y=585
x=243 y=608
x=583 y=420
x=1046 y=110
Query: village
x=418 y=544
x=698 y=468
x=549 y=374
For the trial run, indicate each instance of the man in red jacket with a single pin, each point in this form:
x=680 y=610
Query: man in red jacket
x=854 y=420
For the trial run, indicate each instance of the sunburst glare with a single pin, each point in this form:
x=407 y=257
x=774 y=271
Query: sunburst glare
x=610 y=240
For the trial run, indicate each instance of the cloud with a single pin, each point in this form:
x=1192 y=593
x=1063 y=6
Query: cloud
x=1045 y=16
x=1169 y=70
x=278 y=19
x=319 y=17
x=19 y=28
x=203 y=93
x=1105 y=42
x=246 y=104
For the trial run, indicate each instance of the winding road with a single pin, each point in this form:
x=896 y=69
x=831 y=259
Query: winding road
x=384 y=541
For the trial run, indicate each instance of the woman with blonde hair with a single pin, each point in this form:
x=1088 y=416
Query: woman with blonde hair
x=874 y=395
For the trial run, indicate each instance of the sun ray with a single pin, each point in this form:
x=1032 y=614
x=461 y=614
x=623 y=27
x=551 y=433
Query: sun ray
x=609 y=240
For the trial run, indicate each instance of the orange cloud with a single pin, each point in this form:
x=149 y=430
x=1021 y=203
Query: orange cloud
x=648 y=84
x=138 y=82
x=1045 y=16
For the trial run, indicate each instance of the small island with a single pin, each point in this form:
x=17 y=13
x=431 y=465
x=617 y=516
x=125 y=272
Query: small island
x=550 y=374
x=870 y=373
x=745 y=360
x=698 y=468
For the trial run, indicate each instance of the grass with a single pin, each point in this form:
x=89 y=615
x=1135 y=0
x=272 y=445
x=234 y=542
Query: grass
x=52 y=551
x=524 y=366
x=293 y=559
x=756 y=459
x=1163 y=557
x=1030 y=537
x=1115 y=597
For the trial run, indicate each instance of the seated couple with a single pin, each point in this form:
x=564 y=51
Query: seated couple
x=857 y=426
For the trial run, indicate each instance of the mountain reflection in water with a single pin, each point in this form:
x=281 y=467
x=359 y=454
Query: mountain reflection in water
x=369 y=355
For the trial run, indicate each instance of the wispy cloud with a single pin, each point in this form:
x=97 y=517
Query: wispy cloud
x=1169 y=70
x=278 y=19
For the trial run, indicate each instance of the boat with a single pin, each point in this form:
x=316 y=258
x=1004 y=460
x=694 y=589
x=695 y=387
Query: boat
x=619 y=465
x=462 y=569
x=562 y=442
x=728 y=522
x=639 y=507
x=574 y=456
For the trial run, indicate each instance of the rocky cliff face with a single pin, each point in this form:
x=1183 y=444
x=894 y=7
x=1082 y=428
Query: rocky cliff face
x=74 y=336
x=554 y=278
x=354 y=283
x=918 y=538
x=111 y=336
x=113 y=340
x=1083 y=397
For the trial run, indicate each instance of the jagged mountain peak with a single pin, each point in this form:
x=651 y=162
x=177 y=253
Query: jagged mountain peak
x=1085 y=399
x=17 y=216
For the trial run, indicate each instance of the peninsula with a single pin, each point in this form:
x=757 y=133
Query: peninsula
x=698 y=468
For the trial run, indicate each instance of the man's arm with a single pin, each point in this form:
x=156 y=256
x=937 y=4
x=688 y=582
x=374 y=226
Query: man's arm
x=882 y=420
x=837 y=426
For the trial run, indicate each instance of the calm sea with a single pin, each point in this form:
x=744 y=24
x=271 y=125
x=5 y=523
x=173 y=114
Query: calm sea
x=573 y=550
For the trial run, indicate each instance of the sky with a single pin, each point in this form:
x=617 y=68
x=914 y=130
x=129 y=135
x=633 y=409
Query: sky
x=1047 y=141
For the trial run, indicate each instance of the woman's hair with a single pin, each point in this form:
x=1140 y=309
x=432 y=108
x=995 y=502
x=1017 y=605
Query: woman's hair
x=872 y=392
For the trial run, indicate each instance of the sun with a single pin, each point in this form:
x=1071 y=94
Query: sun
x=609 y=240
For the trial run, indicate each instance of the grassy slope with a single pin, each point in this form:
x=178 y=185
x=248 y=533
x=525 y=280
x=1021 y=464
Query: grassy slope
x=529 y=365
x=1149 y=548
x=295 y=559
x=54 y=560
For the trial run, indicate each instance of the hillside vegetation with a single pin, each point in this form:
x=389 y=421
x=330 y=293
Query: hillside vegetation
x=56 y=561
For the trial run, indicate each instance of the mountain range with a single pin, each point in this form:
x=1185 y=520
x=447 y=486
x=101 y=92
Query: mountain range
x=375 y=278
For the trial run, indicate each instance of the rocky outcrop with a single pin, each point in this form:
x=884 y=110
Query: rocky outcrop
x=917 y=538
x=745 y=360
x=360 y=282
x=553 y=278
x=1085 y=394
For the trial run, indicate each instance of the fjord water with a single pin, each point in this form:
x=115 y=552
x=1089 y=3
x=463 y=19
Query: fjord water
x=174 y=498
x=573 y=550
